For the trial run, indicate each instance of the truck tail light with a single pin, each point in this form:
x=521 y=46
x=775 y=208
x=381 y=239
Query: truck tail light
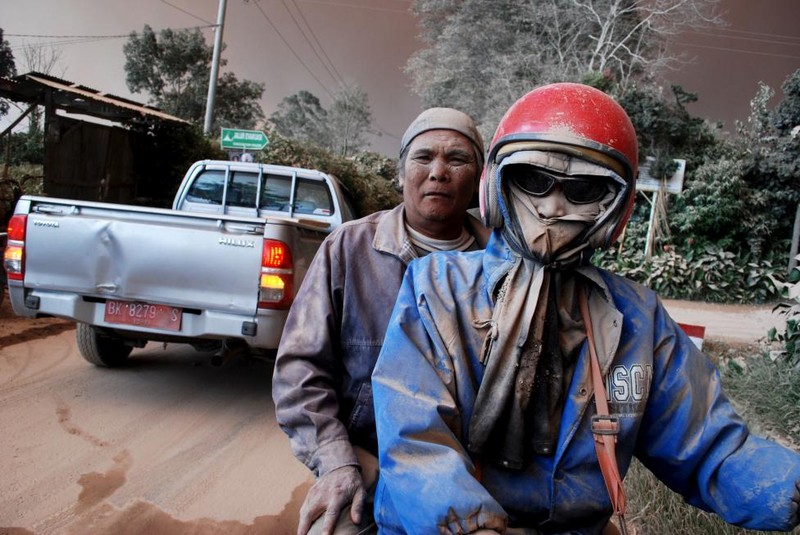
x=277 y=276
x=14 y=254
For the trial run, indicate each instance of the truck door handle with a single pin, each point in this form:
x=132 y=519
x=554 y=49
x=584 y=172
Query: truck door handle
x=244 y=229
x=53 y=210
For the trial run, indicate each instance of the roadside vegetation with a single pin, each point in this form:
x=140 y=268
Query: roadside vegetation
x=766 y=393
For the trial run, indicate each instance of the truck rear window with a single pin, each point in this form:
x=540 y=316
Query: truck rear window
x=313 y=197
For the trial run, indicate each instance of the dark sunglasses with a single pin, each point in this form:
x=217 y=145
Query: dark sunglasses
x=577 y=190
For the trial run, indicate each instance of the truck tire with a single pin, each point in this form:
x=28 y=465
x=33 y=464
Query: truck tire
x=101 y=349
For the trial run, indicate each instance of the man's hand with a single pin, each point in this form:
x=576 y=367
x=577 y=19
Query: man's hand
x=794 y=507
x=329 y=495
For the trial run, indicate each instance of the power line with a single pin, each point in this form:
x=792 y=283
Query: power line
x=310 y=44
x=303 y=63
x=356 y=6
x=335 y=73
x=754 y=39
x=723 y=31
x=384 y=131
x=738 y=51
x=77 y=41
x=337 y=76
x=188 y=13
x=118 y=36
x=65 y=36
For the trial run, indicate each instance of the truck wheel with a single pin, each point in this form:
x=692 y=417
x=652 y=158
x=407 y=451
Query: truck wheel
x=101 y=349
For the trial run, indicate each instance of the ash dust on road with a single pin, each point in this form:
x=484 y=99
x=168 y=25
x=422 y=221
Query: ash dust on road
x=168 y=444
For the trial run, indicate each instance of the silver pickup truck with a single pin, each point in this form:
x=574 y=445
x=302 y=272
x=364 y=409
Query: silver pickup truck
x=219 y=270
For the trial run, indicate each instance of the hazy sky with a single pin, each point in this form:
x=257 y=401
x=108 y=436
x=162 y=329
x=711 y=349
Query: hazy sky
x=291 y=45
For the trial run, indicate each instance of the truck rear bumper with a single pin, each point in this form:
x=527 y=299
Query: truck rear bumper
x=195 y=324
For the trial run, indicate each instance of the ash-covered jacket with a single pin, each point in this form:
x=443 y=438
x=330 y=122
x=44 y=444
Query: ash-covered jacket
x=333 y=333
x=673 y=415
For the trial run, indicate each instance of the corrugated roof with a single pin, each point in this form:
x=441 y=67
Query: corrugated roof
x=75 y=98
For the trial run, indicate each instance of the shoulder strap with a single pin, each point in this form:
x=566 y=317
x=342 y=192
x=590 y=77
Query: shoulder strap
x=604 y=426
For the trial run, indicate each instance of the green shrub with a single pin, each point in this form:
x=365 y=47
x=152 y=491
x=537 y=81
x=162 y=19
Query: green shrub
x=706 y=273
x=789 y=339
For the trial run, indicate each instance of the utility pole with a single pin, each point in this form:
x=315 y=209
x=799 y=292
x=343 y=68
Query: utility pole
x=795 y=240
x=212 y=83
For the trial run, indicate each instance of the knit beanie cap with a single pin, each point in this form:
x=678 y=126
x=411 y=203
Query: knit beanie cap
x=445 y=119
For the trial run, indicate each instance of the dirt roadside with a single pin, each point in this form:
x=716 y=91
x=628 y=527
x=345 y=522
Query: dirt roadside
x=736 y=324
x=16 y=330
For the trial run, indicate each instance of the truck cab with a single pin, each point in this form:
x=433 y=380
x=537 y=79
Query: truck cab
x=264 y=190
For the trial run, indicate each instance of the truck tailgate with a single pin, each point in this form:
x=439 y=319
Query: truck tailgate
x=152 y=255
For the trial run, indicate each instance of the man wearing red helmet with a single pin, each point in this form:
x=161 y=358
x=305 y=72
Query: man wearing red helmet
x=515 y=386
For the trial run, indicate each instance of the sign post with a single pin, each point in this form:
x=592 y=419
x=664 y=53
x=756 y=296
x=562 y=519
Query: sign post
x=659 y=187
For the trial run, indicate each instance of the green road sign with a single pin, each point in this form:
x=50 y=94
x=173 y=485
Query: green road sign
x=243 y=139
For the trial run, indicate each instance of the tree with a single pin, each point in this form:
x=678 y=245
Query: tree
x=342 y=130
x=349 y=121
x=746 y=196
x=237 y=102
x=302 y=117
x=174 y=68
x=482 y=55
x=472 y=60
x=45 y=60
x=7 y=68
x=26 y=147
x=787 y=115
x=665 y=129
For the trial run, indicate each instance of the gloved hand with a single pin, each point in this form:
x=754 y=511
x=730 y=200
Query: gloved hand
x=329 y=495
x=794 y=507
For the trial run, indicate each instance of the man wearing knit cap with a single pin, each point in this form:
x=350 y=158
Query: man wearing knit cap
x=335 y=329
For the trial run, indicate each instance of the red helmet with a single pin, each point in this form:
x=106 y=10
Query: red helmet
x=575 y=119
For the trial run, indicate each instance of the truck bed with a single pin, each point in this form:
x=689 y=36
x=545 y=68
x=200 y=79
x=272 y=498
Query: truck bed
x=81 y=254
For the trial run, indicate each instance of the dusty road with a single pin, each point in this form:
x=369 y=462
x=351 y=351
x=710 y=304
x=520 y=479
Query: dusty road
x=169 y=444
x=746 y=324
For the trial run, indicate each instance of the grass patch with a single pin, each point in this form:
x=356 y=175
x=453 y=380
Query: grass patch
x=767 y=395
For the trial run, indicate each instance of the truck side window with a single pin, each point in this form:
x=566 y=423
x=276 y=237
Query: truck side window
x=276 y=192
x=242 y=189
x=207 y=188
x=313 y=198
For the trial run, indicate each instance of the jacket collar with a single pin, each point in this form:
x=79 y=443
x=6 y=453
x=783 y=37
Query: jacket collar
x=391 y=236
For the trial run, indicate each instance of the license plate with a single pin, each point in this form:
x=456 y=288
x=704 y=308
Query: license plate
x=143 y=315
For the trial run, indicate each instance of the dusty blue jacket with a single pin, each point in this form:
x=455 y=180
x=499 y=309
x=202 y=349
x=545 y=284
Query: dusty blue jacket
x=674 y=416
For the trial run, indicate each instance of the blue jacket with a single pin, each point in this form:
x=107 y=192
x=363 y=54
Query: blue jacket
x=674 y=416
